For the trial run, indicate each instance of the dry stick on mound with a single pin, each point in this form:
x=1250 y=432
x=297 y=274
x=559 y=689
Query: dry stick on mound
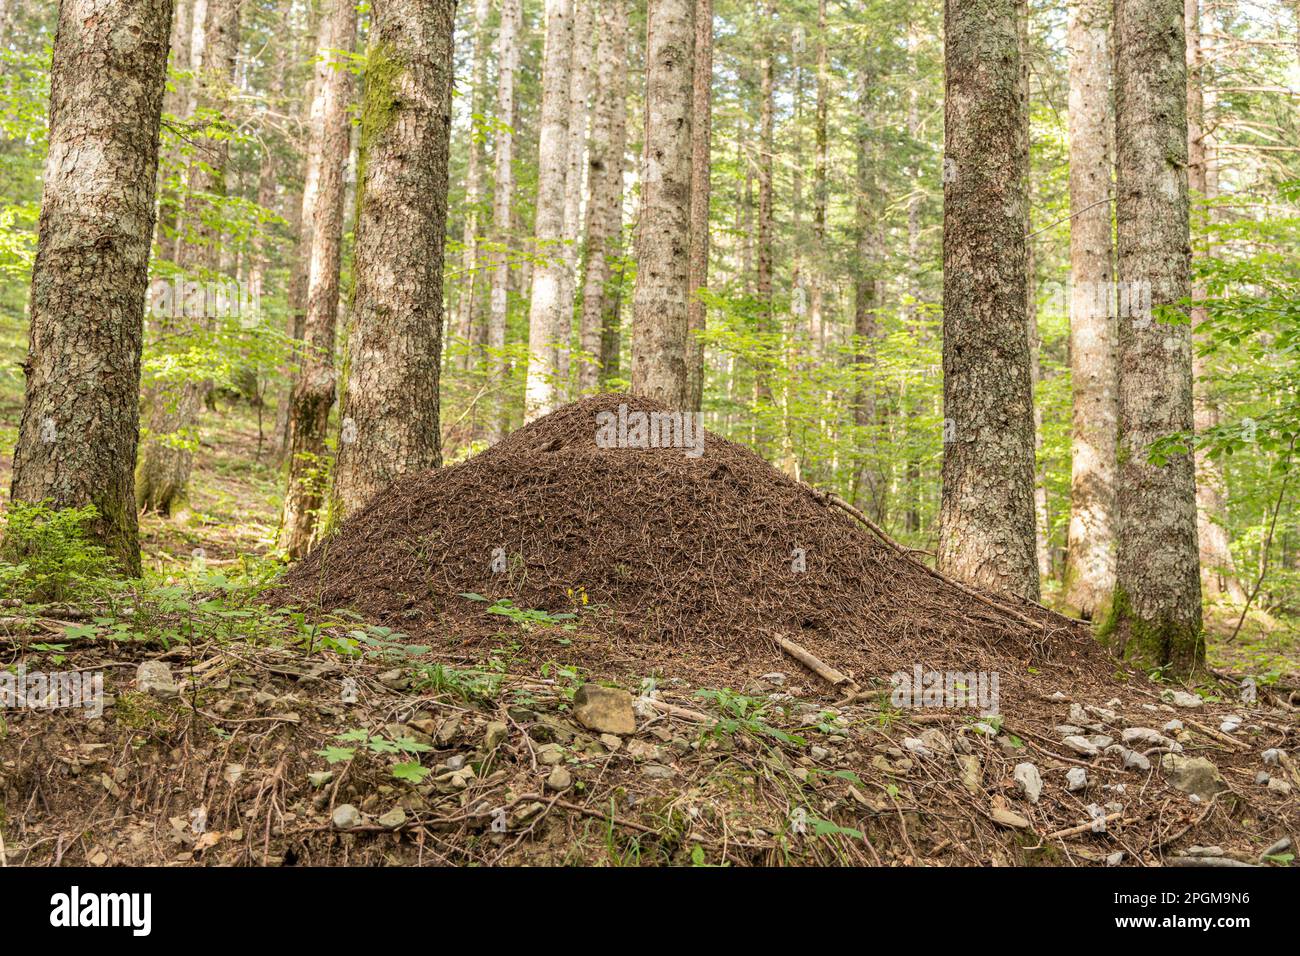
x=830 y=498
x=818 y=667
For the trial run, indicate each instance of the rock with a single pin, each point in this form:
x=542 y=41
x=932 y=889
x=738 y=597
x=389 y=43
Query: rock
x=395 y=679
x=818 y=754
x=1148 y=738
x=970 y=772
x=1101 y=741
x=1059 y=695
x=1078 y=715
x=393 y=819
x=1081 y=745
x=776 y=679
x=1105 y=713
x=1279 y=786
x=1262 y=778
x=1136 y=761
x=1076 y=779
x=345 y=817
x=548 y=755
x=1172 y=726
x=494 y=735
x=657 y=771
x=455 y=762
x=1115 y=859
x=155 y=677
x=1281 y=846
x=644 y=750
x=1009 y=818
x=935 y=740
x=1069 y=730
x=1272 y=756
x=1195 y=776
x=1029 y=780
x=914 y=745
x=559 y=779
x=1230 y=724
x=606 y=710
x=1180 y=698
x=611 y=742
x=320 y=777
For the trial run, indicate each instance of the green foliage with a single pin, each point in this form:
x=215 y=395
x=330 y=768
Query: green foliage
x=744 y=714
x=46 y=555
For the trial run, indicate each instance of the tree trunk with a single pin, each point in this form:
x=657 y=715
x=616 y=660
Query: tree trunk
x=548 y=329
x=77 y=438
x=389 y=408
x=659 y=320
x=574 y=165
x=1090 y=561
x=167 y=456
x=701 y=134
x=767 y=83
x=869 y=486
x=1218 y=574
x=503 y=191
x=313 y=394
x=605 y=188
x=1156 y=616
x=986 y=520
x=816 y=319
x=470 y=281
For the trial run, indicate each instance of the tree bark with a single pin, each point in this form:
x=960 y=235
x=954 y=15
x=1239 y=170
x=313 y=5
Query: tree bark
x=467 y=304
x=1156 y=617
x=575 y=167
x=1090 y=561
x=659 y=319
x=869 y=485
x=605 y=188
x=77 y=437
x=548 y=330
x=816 y=319
x=389 y=408
x=701 y=136
x=986 y=520
x=503 y=191
x=313 y=394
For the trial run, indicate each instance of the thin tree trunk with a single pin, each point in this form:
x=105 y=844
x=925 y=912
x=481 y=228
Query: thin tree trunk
x=167 y=456
x=548 y=330
x=986 y=521
x=389 y=408
x=1218 y=573
x=605 y=189
x=816 y=319
x=77 y=437
x=1090 y=561
x=575 y=167
x=503 y=192
x=467 y=304
x=659 y=312
x=1156 y=616
x=766 y=69
x=868 y=486
x=313 y=394
x=701 y=133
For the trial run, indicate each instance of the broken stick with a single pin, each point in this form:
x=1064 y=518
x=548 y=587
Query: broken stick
x=821 y=669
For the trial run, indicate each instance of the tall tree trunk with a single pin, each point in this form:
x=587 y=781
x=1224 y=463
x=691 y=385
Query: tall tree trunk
x=548 y=327
x=766 y=147
x=869 y=490
x=986 y=519
x=701 y=135
x=503 y=192
x=167 y=456
x=389 y=408
x=77 y=437
x=816 y=319
x=467 y=304
x=574 y=166
x=174 y=102
x=1218 y=574
x=313 y=394
x=1156 y=616
x=1090 y=561
x=605 y=187
x=659 y=320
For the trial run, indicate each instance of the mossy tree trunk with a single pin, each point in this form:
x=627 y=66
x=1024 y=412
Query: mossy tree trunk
x=1156 y=617
x=77 y=437
x=389 y=409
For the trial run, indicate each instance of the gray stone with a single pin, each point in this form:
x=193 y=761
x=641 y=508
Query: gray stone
x=1029 y=780
x=1180 y=698
x=1076 y=778
x=1195 y=776
x=606 y=710
x=155 y=677
x=345 y=817
x=320 y=777
x=559 y=780
x=1272 y=756
x=657 y=771
x=1279 y=786
x=494 y=735
x=611 y=742
x=393 y=819
x=970 y=772
x=1115 y=859
x=548 y=755
x=1081 y=745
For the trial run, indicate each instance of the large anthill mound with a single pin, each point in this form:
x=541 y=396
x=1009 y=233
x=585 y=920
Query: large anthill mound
x=691 y=565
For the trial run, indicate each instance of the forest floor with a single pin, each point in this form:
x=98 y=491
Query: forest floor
x=239 y=730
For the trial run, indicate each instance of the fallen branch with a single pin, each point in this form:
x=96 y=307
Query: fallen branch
x=1082 y=827
x=1206 y=861
x=821 y=669
x=672 y=710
